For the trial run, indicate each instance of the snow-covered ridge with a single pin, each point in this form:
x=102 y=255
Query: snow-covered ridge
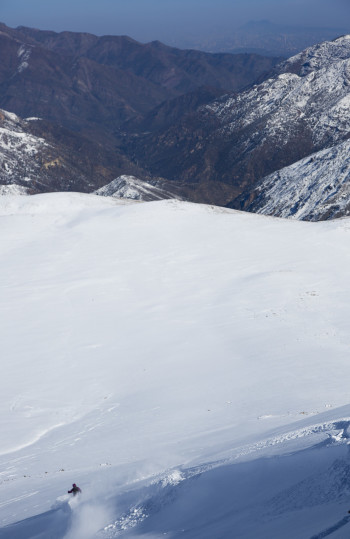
x=314 y=188
x=52 y=203
x=18 y=150
x=318 y=56
x=133 y=188
x=315 y=102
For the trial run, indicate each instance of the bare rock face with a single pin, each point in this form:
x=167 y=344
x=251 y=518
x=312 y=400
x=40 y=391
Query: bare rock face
x=314 y=188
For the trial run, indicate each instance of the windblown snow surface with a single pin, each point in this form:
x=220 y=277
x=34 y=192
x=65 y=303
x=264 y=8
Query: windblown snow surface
x=187 y=366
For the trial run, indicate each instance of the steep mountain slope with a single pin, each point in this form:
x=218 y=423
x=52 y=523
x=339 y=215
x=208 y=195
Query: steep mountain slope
x=178 y=71
x=315 y=188
x=171 y=111
x=105 y=87
x=93 y=84
x=238 y=139
x=75 y=92
x=185 y=365
x=36 y=156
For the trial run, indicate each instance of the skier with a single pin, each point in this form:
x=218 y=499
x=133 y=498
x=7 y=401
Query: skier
x=74 y=490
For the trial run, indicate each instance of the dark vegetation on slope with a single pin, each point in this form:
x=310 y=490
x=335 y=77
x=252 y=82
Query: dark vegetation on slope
x=109 y=90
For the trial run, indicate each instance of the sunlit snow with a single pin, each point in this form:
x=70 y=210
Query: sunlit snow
x=183 y=364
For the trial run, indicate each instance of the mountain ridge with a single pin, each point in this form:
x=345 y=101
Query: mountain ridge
x=107 y=80
x=242 y=137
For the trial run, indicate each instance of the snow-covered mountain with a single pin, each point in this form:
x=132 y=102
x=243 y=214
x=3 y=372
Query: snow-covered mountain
x=317 y=187
x=219 y=153
x=313 y=103
x=36 y=156
x=135 y=189
x=240 y=138
x=185 y=365
x=317 y=57
x=20 y=154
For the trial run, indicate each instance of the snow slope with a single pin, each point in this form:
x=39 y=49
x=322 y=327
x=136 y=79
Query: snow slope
x=314 y=100
x=135 y=189
x=313 y=188
x=19 y=150
x=184 y=364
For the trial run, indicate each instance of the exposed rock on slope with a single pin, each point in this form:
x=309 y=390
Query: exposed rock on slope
x=36 y=156
x=136 y=189
x=241 y=138
x=315 y=188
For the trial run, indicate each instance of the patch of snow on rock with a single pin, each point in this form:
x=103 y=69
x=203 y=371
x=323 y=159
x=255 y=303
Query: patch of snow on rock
x=23 y=54
x=133 y=188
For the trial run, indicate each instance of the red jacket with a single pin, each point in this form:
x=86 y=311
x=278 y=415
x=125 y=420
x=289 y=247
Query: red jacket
x=74 y=490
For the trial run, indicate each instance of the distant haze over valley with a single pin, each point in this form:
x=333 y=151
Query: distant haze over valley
x=182 y=23
x=264 y=37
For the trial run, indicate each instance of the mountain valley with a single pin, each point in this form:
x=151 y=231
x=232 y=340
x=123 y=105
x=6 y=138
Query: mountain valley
x=209 y=128
x=174 y=337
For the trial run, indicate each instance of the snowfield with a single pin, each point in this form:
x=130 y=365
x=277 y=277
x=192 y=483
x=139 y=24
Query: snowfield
x=187 y=366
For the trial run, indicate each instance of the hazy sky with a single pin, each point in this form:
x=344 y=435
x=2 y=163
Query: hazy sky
x=159 y=19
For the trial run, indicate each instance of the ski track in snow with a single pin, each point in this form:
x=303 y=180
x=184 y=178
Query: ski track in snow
x=329 y=531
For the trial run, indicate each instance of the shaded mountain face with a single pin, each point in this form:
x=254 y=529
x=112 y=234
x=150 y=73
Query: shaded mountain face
x=75 y=92
x=239 y=139
x=112 y=107
x=94 y=95
x=94 y=84
x=177 y=71
x=171 y=111
x=37 y=156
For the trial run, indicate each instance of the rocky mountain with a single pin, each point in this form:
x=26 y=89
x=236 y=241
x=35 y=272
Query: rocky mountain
x=117 y=113
x=239 y=139
x=36 y=157
x=174 y=70
x=314 y=189
x=94 y=84
x=135 y=189
x=94 y=94
x=171 y=111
